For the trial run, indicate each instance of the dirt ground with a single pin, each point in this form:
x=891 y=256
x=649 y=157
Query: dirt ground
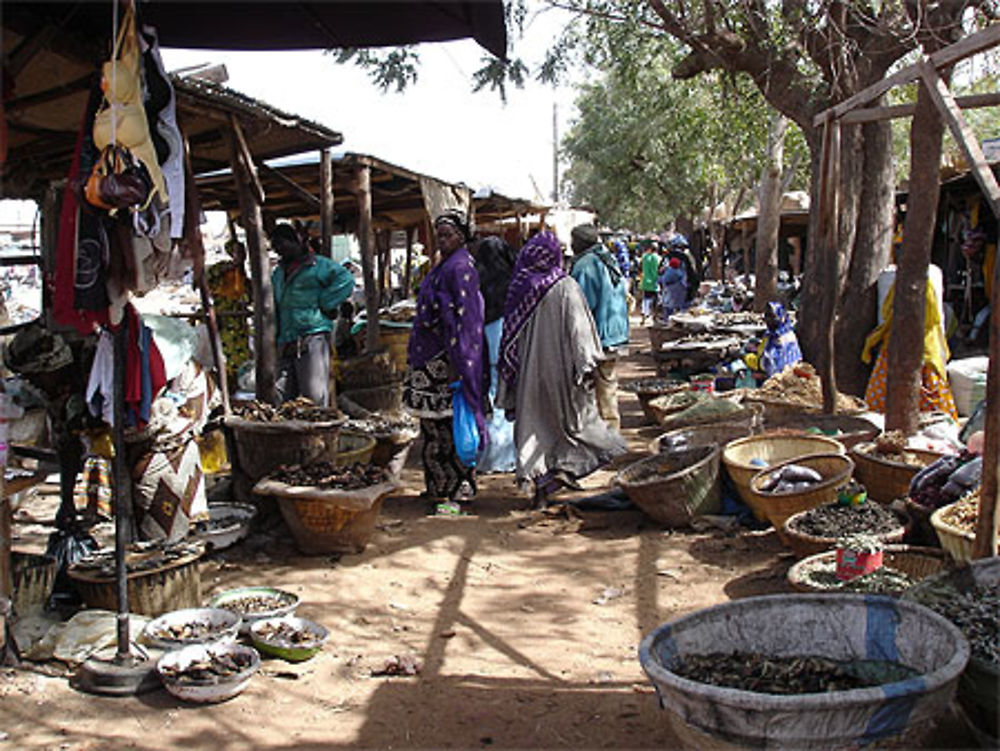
x=525 y=627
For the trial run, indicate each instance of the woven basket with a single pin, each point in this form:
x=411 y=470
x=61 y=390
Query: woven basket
x=720 y=433
x=738 y=456
x=803 y=544
x=916 y=562
x=886 y=480
x=368 y=370
x=748 y=414
x=776 y=409
x=173 y=586
x=645 y=396
x=328 y=521
x=354 y=448
x=673 y=488
x=850 y=430
x=33 y=577
x=957 y=542
x=777 y=507
x=385 y=397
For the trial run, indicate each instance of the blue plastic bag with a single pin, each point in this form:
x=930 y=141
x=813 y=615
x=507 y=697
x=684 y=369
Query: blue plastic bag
x=463 y=427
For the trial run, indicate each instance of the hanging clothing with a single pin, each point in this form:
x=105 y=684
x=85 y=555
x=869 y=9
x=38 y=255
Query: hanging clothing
x=145 y=374
x=935 y=393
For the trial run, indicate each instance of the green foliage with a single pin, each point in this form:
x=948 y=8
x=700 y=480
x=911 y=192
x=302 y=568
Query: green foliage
x=387 y=68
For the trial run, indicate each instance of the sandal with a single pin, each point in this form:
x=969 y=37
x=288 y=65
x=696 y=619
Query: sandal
x=448 y=508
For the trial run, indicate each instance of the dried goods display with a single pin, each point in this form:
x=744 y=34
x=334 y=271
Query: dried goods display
x=946 y=480
x=701 y=341
x=143 y=556
x=834 y=520
x=327 y=475
x=284 y=632
x=792 y=478
x=891 y=447
x=743 y=318
x=383 y=424
x=766 y=674
x=964 y=513
x=821 y=574
x=651 y=385
x=211 y=667
x=799 y=385
x=258 y=602
x=301 y=408
x=974 y=611
x=194 y=630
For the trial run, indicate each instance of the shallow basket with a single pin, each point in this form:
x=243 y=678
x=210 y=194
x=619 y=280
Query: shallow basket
x=886 y=480
x=328 y=521
x=844 y=627
x=850 y=430
x=803 y=544
x=738 y=456
x=720 y=433
x=916 y=562
x=777 y=507
x=685 y=485
x=646 y=395
x=957 y=542
x=354 y=448
x=175 y=585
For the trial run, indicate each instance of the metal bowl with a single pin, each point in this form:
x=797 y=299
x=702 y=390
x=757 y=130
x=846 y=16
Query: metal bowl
x=211 y=689
x=222 y=626
x=286 y=649
x=229 y=599
x=221 y=536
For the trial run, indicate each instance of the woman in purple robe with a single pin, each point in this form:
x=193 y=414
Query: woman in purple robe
x=446 y=346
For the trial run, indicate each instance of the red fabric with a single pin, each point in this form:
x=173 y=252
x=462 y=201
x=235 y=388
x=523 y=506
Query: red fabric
x=63 y=312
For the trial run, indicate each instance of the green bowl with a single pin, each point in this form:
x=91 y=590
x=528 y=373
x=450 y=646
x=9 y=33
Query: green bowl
x=285 y=649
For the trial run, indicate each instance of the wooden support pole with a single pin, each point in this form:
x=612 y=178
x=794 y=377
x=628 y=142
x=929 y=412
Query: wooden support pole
x=829 y=192
x=244 y=153
x=265 y=347
x=362 y=190
x=326 y=201
x=308 y=198
x=408 y=267
x=121 y=485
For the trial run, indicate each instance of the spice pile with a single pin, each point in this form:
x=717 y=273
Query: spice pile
x=329 y=476
x=891 y=447
x=834 y=520
x=210 y=668
x=974 y=611
x=764 y=674
x=964 y=513
x=301 y=408
x=821 y=573
x=799 y=385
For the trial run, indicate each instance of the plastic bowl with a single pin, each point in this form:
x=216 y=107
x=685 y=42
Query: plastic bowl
x=228 y=599
x=224 y=625
x=220 y=537
x=215 y=688
x=285 y=649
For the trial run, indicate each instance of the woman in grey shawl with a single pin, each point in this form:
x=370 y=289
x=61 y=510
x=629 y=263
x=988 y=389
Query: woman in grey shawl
x=549 y=353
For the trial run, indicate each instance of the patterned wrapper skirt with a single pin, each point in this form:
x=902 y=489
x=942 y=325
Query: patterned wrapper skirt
x=935 y=393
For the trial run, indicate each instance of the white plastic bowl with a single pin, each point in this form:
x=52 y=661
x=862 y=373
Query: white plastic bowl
x=220 y=538
x=209 y=691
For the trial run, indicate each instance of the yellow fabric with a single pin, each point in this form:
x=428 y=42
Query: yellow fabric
x=935 y=393
x=936 y=351
x=123 y=98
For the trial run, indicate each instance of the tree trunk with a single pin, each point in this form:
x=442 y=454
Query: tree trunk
x=872 y=243
x=908 y=305
x=769 y=217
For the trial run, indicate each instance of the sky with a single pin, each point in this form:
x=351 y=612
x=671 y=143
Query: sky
x=437 y=126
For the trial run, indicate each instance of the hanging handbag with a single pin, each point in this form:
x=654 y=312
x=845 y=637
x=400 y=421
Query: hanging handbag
x=117 y=180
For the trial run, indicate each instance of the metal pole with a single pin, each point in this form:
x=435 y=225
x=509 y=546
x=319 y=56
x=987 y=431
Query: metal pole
x=120 y=489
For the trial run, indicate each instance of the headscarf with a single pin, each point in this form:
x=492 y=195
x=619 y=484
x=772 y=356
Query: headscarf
x=458 y=220
x=538 y=267
x=495 y=261
x=781 y=346
x=675 y=263
x=583 y=237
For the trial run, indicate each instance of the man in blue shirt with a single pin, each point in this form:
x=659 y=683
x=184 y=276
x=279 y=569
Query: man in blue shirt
x=603 y=284
x=308 y=289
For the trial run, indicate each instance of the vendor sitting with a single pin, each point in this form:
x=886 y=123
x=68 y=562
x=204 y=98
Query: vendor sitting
x=307 y=292
x=779 y=347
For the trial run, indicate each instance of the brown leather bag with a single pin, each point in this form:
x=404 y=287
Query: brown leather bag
x=117 y=180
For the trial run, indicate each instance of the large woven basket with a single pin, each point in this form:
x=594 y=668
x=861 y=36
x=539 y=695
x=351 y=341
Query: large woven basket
x=696 y=415
x=384 y=397
x=745 y=457
x=850 y=430
x=646 y=393
x=777 y=507
x=803 y=544
x=916 y=562
x=354 y=448
x=173 y=586
x=720 y=433
x=673 y=488
x=957 y=542
x=886 y=480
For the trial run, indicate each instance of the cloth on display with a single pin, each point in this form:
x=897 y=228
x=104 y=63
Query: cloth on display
x=145 y=373
x=176 y=339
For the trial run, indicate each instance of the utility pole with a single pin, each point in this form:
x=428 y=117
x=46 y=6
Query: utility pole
x=555 y=153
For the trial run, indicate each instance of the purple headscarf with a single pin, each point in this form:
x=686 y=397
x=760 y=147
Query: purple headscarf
x=538 y=267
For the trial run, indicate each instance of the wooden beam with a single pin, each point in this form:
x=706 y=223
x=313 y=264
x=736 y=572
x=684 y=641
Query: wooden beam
x=326 y=201
x=247 y=156
x=297 y=189
x=362 y=189
x=56 y=92
x=407 y=268
x=971 y=45
x=944 y=101
x=30 y=46
x=829 y=192
x=265 y=345
x=873 y=114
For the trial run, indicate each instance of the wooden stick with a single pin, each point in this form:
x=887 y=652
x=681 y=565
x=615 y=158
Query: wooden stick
x=326 y=201
x=247 y=157
x=829 y=194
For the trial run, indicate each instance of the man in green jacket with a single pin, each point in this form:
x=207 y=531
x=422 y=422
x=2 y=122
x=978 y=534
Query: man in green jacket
x=308 y=289
x=649 y=280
